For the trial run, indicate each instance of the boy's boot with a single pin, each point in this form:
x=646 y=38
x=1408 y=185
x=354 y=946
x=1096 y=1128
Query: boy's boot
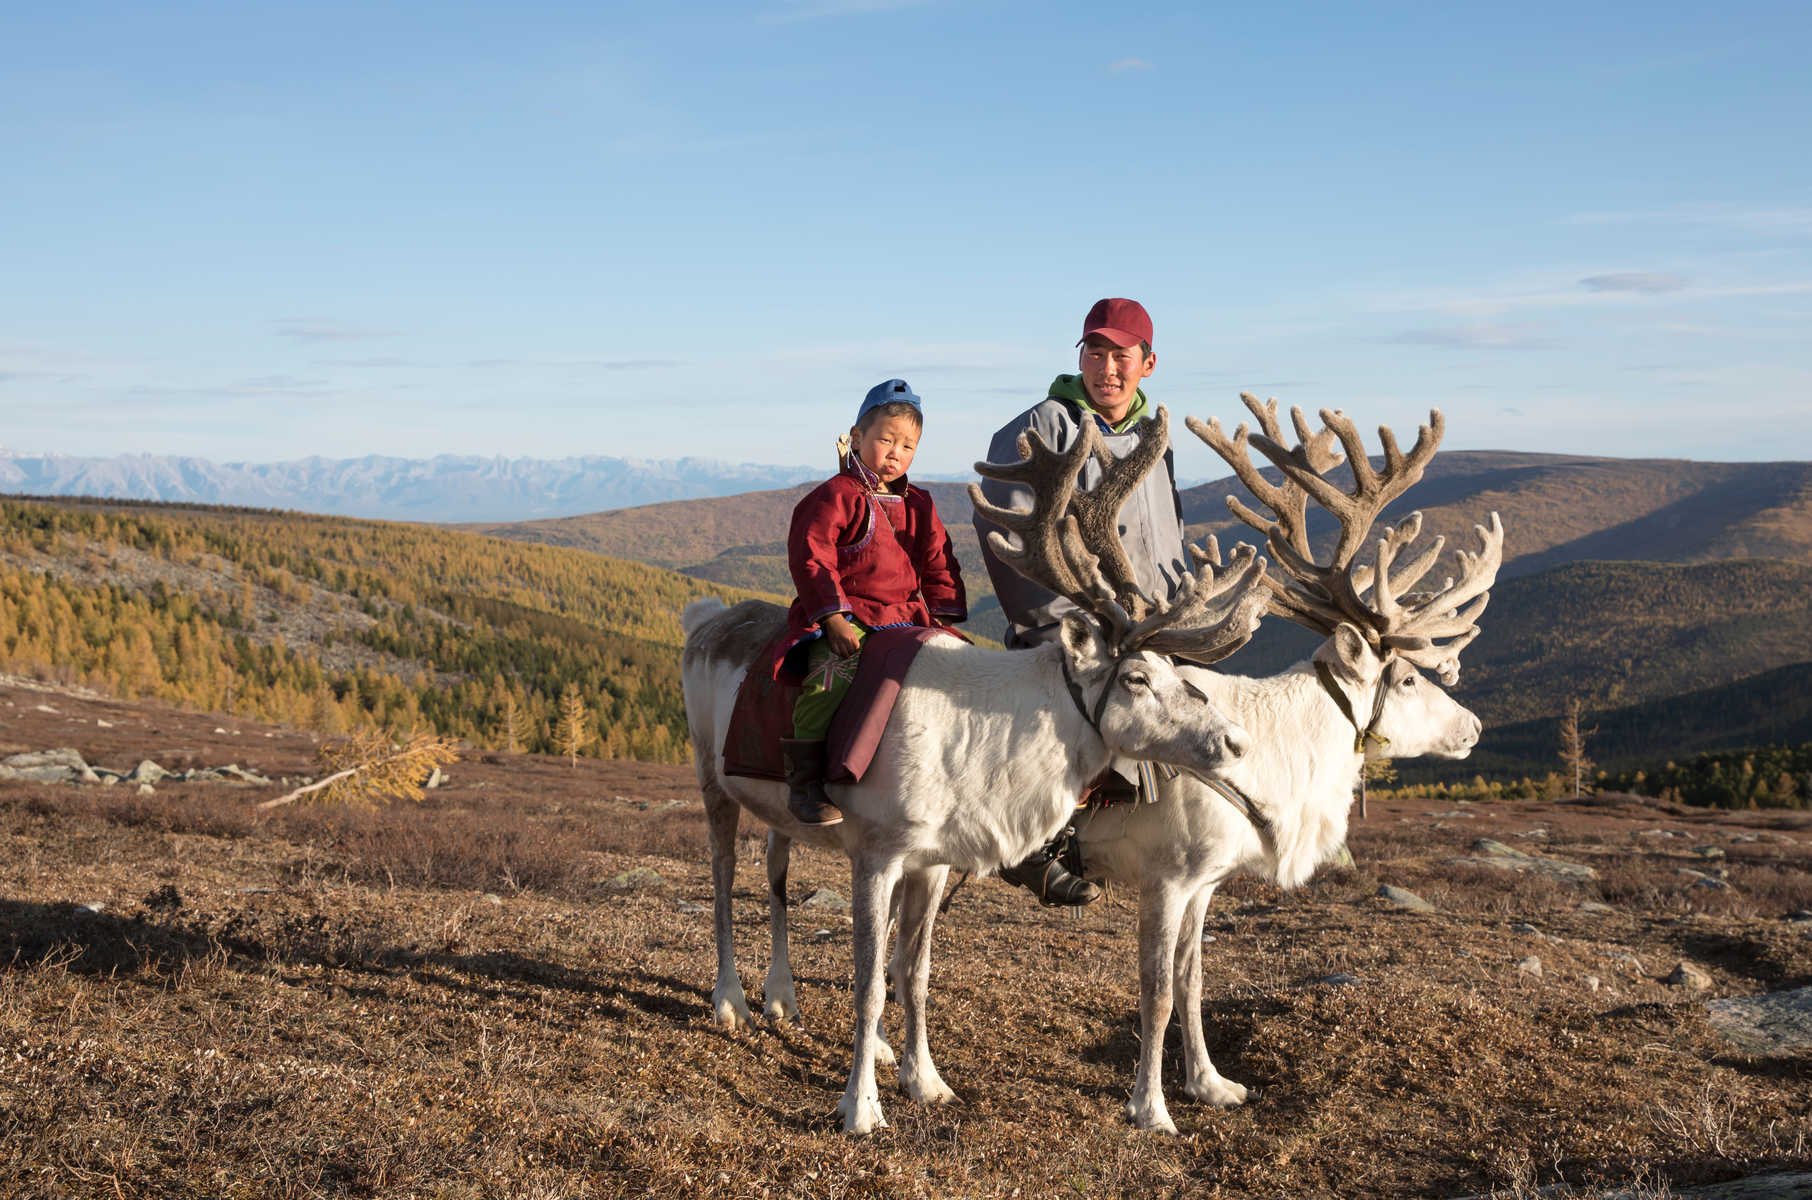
x=805 y=799
x=1044 y=874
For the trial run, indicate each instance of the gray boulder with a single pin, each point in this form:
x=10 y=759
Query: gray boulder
x=1775 y=1023
x=1494 y=855
x=1403 y=898
x=47 y=758
x=825 y=898
x=146 y=772
x=1687 y=976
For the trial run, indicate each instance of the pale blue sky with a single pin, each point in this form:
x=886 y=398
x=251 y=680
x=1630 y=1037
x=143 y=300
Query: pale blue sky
x=259 y=231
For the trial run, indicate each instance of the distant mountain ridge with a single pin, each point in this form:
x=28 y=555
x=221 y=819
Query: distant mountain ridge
x=446 y=488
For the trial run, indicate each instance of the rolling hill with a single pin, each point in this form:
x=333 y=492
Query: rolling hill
x=330 y=623
x=1626 y=581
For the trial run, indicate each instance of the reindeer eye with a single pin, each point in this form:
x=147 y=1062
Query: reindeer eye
x=1135 y=680
x=1409 y=680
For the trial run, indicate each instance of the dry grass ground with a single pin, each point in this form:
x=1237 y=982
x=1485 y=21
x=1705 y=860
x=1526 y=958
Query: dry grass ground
x=456 y=1000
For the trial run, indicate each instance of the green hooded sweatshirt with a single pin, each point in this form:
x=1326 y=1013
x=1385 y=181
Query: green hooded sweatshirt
x=1070 y=387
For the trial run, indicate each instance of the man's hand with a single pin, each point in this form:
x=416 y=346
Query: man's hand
x=841 y=635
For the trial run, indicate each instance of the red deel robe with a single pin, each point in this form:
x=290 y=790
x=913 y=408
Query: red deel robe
x=880 y=557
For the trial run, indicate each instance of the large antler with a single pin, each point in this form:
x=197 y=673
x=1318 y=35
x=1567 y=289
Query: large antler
x=1321 y=595
x=1069 y=543
x=1416 y=622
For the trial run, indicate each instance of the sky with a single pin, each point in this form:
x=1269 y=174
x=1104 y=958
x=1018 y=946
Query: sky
x=253 y=232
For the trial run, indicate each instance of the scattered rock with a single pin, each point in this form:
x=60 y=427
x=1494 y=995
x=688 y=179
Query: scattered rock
x=1338 y=979
x=1709 y=851
x=146 y=772
x=1595 y=907
x=1497 y=856
x=494 y=898
x=435 y=779
x=103 y=724
x=1529 y=966
x=94 y=906
x=1687 y=976
x=145 y=789
x=1800 y=914
x=1403 y=898
x=1523 y=927
x=1775 y=1023
x=825 y=898
x=1701 y=879
x=640 y=877
x=690 y=907
x=1592 y=983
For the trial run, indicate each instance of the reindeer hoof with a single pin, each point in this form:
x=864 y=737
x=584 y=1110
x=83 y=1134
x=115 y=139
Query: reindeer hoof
x=884 y=1055
x=780 y=1009
x=862 y=1117
x=1152 y=1118
x=1220 y=1092
x=731 y=1012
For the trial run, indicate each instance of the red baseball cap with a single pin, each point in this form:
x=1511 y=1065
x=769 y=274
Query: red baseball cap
x=1121 y=321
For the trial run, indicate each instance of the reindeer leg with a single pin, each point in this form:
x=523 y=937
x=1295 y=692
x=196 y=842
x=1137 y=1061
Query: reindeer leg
x=779 y=1002
x=871 y=885
x=1160 y=912
x=729 y=1006
x=920 y=893
x=1201 y=1080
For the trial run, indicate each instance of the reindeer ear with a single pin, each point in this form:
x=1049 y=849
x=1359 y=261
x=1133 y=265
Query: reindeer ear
x=1346 y=652
x=1082 y=642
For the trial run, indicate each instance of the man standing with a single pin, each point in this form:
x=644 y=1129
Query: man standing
x=1114 y=359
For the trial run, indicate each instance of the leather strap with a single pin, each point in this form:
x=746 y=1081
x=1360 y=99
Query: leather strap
x=1363 y=733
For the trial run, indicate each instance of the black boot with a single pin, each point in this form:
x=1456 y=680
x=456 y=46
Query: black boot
x=805 y=799
x=1044 y=874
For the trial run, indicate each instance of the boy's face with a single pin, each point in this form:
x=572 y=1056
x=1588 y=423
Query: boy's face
x=886 y=447
x=1112 y=374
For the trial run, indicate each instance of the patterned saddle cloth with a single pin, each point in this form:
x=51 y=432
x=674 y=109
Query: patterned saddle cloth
x=763 y=713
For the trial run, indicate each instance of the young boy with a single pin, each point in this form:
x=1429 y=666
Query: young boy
x=867 y=551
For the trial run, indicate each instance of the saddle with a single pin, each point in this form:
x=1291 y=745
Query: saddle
x=763 y=713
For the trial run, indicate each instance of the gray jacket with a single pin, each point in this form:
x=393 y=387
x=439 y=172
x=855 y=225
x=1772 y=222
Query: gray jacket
x=1151 y=524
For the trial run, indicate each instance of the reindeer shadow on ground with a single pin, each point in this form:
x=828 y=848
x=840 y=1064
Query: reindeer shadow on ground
x=153 y=940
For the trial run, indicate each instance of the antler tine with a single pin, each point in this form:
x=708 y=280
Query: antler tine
x=1372 y=489
x=1386 y=581
x=1051 y=475
x=1453 y=611
x=1051 y=551
x=1211 y=616
x=1097 y=511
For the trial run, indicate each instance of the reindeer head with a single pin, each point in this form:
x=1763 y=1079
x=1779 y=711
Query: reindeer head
x=1378 y=631
x=1114 y=646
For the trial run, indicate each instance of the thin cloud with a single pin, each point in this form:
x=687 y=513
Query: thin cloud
x=1649 y=283
x=37 y=377
x=1128 y=64
x=1470 y=337
x=1787 y=219
x=364 y=362
x=308 y=330
x=812 y=10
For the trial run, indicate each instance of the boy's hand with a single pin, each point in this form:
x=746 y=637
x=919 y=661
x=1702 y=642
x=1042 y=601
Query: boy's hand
x=841 y=635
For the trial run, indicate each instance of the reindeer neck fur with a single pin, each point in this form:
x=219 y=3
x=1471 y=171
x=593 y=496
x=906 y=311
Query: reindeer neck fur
x=1300 y=770
x=984 y=757
x=1303 y=771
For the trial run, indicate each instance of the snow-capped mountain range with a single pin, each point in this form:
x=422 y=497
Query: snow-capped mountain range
x=444 y=488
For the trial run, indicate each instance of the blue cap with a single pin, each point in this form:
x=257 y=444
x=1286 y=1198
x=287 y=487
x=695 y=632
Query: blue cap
x=894 y=391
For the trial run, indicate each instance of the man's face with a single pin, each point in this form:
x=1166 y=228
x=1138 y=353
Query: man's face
x=1112 y=374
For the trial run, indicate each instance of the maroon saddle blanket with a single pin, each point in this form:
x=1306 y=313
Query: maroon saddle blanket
x=763 y=713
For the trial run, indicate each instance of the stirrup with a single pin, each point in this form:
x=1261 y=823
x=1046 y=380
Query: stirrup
x=812 y=812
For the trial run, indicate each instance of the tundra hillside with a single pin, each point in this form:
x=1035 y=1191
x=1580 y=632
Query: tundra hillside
x=330 y=623
x=506 y=992
x=1630 y=583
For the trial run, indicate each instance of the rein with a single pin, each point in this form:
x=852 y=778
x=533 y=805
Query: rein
x=1368 y=731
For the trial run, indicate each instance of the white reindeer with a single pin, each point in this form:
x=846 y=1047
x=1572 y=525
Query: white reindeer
x=1282 y=809
x=985 y=752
